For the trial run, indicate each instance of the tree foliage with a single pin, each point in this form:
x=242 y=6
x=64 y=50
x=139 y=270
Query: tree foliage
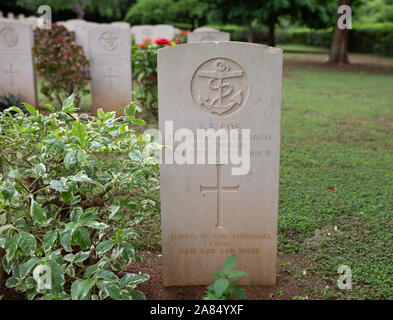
x=167 y=11
x=113 y=8
x=375 y=11
x=313 y=13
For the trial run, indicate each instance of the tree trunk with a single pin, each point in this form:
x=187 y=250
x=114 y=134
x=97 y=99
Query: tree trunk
x=339 y=47
x=80 y=13
x=271 y=22
x=250 y=35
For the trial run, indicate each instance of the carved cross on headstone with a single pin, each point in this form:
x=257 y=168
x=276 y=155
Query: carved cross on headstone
x=11 y=72
x=110 y=76
x=219 y=189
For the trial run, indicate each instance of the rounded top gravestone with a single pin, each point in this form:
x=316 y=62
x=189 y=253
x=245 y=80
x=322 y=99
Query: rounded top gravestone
x=228 y=94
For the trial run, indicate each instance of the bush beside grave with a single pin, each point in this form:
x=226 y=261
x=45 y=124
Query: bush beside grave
x=72 y=190
x=61 y=63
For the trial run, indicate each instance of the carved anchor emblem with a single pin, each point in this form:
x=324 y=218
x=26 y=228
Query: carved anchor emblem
x=224 y=88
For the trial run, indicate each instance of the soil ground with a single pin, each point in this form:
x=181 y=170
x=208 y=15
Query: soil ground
x=285 y=289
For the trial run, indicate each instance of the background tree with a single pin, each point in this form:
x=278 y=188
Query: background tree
x=167 y=11
x=312 y=13
x=242 y=13
x=373 y=11
x=339 y=47
x=115 y=9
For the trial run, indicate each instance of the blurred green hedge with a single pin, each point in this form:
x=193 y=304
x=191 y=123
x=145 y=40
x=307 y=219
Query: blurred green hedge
x=374 y=38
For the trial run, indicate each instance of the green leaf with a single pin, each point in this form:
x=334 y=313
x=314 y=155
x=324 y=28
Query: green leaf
x=220 y=273
x=136 y=295
x=10 y=247
x=14 y=174
x=37 y=212
x=49 y=107
x=106 y=275
x=79 y=131
x=70 y=159
x=59 y=185
x=12 y=282
x=113 y=210
x=65 y=239
x=133 y=279
x=104 y=246
x=90 y=270
x=236 y=274
x=80 y=257
x=26 y=268
x=27 y=242
x=127 y=251
x=76 y=213
x=68 y=102
x=135 y=155
x=15 y=109
x=110 y=289
x=31 y=109
x=230 y=262
x=240 y=293
x=96 y=225
x=81 y=237
x=101 y=113
x=80 y=289
x=220 y=286
x=81 y=156
x=130 y=110
x=57 y=276
x=39 y=169
x=8 y=193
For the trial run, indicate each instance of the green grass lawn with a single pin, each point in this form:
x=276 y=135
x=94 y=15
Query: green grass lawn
x=336 y=181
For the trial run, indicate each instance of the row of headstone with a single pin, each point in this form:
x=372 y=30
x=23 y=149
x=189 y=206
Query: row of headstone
x=153 y=32
x=109 y=56
x=109 y=51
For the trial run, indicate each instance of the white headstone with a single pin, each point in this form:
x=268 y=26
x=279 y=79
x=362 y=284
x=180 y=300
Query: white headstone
x=208 y=213
x=10 y=15
x=110 y=67
x=201 y=36
x=143 y=32
x=1 y=15
x=80 y=29
x=203 y=29
x=121 y=24
x=32 y=20
x=165 y=31
x=16 y=61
